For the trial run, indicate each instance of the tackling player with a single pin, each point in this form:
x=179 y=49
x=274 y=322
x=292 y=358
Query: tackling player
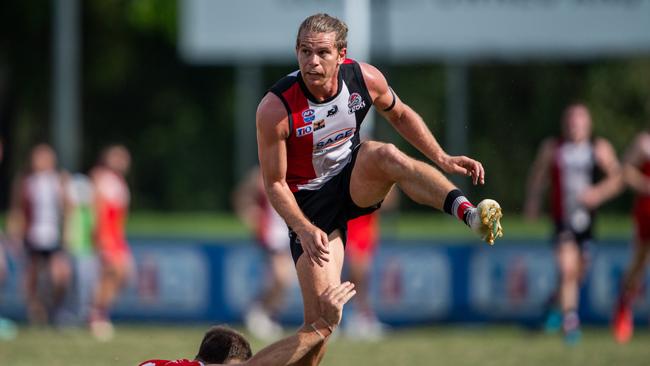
x=224 y=346
x=318 y=175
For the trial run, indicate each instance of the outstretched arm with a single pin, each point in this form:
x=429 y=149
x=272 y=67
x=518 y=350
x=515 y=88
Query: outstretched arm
x=272 y=132
x=291 y=349
x=410 y=125
x=612 y=183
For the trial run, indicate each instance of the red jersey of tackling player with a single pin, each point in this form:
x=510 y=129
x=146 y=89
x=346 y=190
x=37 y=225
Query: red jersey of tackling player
x=642 y=208
x=182 y=362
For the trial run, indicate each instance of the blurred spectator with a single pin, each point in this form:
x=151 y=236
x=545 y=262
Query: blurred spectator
x=363 y=238
x=254 y=209
x=571 y=163
x=79 y=230
x=35 y=221
x=116 y=264
x=636 y=173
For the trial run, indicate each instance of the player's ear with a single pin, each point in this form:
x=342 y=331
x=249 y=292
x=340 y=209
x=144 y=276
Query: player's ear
x=342 y=54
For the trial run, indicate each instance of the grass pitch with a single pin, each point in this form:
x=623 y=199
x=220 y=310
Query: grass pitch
x=449 y=346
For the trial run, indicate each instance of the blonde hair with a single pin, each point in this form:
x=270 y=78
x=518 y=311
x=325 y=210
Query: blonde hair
x=325 y=23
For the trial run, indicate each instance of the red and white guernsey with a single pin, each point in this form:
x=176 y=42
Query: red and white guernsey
x=323 y=134
x=573 y=172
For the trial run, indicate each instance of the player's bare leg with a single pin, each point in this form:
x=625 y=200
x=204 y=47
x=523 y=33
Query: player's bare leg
x=280 y=266
x=569 y=263
x=379 y=166
x=623 y=322
x=259 y=319
x=314 y=280
x=36 y=310
x=359 y=274
x=112 y=278
x=60 y=274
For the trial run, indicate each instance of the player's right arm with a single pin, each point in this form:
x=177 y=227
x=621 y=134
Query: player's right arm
x=634 y=158
x=272 y=133
x=538 y=178
x=293 y=348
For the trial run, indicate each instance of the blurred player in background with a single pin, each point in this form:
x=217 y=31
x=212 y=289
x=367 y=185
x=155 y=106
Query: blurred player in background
x=224 y=346
x=36 y=219
x=572 y=163
x=112 y=199
x=636 y=172
x=363 y=238
x=318 y=175
x=79 y=233
x=255 y=210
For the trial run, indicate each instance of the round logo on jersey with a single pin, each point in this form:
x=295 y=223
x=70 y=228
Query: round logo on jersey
x=355 y=102
x=309 y=115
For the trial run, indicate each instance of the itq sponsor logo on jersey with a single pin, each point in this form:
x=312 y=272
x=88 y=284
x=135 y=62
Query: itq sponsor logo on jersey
x=304 y=131
x=355 y=103
x=335 y=138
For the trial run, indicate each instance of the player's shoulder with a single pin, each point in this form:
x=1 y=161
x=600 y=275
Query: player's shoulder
x=370 y=72
x=271 y=108
x=374 y=79
x=285 y=83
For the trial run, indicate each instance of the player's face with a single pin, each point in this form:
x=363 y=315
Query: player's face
x=119 y=160
x=43 y=159
x=577 y=124
x=318 y=57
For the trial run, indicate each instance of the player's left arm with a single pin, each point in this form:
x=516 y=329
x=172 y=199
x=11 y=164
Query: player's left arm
x=411 y=126
x=612 y=183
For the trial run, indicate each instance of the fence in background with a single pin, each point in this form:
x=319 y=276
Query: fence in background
x=414 y=282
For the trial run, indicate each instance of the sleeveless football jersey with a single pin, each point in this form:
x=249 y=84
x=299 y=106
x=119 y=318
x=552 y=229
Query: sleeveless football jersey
x=573 y=172
x=642 y=201
x=42 y=195
x=322 y=134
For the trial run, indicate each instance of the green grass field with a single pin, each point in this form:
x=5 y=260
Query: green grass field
x=403 y=226
x=449 y=346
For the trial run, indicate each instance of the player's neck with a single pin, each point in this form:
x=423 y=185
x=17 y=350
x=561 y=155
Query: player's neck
x=326 y=90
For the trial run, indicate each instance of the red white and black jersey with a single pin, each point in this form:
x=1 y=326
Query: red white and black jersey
x=574 y=171
x=323 y=134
